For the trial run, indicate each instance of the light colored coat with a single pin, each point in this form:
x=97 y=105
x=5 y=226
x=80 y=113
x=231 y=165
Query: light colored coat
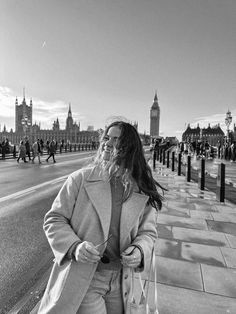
x=82 y=211
x=35 y=149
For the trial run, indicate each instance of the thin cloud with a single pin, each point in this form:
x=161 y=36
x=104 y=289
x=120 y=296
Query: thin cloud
x=7 y=101
x=44 y=44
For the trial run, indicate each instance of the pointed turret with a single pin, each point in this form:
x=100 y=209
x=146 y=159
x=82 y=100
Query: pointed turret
x=69 y=111
x=69 y=120
x=155 y=102
x=155 y=97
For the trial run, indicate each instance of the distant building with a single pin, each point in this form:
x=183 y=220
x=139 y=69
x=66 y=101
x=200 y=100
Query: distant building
x=24 y=127
x=213 y=134
x=23 y=115
x=155 y=118
x=233 y=134
x=90 y=128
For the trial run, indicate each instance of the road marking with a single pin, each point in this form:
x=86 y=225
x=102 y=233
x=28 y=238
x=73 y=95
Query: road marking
x=31 y=189
x=51 y=182
x=23 y=194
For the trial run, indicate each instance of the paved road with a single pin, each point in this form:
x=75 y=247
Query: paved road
x=26 y=193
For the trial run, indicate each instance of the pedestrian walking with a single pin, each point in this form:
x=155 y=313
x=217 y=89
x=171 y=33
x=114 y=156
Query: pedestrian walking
x=52 y=151
x=102 y=227
x=47 y=146
x=4 y=147
x=36 y=149
x=41 y=146
x=22 y=152
x=27 y=148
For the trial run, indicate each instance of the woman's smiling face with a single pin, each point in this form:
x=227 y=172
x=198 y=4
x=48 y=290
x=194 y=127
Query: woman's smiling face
x=110 y=141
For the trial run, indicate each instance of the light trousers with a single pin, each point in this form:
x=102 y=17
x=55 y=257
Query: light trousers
x=104 y=295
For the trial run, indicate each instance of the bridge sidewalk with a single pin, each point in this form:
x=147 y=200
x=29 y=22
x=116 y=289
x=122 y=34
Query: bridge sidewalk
x=196 y=249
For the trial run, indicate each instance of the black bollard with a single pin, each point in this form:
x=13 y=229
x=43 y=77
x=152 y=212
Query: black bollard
x=164 y=157
x=168 y=160
x=154 y=160
x=160 y=155
x=173 y=161
x=201 y=175
x=220 y=183
x=188 y=169
x=179 y=164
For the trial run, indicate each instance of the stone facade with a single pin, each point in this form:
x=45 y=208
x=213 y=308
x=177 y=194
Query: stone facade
x=23 y=126
x=212 y=135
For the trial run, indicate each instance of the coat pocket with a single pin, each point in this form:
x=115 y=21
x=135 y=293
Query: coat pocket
x=57 y=280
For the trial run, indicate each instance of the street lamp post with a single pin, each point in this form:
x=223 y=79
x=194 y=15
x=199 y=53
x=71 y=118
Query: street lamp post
x=228 y=121
x=25 y=123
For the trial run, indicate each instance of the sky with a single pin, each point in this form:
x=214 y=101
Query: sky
x=108 y=58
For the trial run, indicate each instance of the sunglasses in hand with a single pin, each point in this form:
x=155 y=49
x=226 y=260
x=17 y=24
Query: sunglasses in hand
x=104 y=259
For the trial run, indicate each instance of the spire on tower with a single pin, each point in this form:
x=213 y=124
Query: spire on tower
x=155 y=97
x=23 y=92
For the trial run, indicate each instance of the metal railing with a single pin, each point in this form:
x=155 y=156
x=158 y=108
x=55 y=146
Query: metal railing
x=59 y=150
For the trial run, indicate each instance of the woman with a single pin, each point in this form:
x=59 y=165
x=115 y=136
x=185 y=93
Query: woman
x=22 y=152
x=101 y=225
x=36 y=150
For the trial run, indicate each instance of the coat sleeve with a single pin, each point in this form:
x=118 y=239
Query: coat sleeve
x=57 y=225
x=147 y=235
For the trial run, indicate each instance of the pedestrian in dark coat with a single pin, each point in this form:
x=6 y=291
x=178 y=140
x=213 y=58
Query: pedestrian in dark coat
x=52 y=151
x=27 y=148
x=22 y=152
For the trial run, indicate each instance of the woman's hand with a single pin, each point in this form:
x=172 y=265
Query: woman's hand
x=131 y=257
x=86 y=252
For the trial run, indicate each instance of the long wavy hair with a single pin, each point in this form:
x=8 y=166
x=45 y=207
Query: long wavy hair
x=129 y=153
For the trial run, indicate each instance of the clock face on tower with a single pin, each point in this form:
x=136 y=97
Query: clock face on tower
x=154 y=113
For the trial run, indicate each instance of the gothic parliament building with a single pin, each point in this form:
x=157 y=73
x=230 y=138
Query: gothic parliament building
x=24 y=127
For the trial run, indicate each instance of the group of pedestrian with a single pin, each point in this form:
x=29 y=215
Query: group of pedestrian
x=4 y=147
x=227 y=151
x=37 y=150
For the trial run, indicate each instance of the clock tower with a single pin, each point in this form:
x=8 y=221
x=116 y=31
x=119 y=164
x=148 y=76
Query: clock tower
x=155 y=118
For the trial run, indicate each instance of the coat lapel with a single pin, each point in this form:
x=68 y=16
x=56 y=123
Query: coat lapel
x=130 y=214
x=99 y=192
